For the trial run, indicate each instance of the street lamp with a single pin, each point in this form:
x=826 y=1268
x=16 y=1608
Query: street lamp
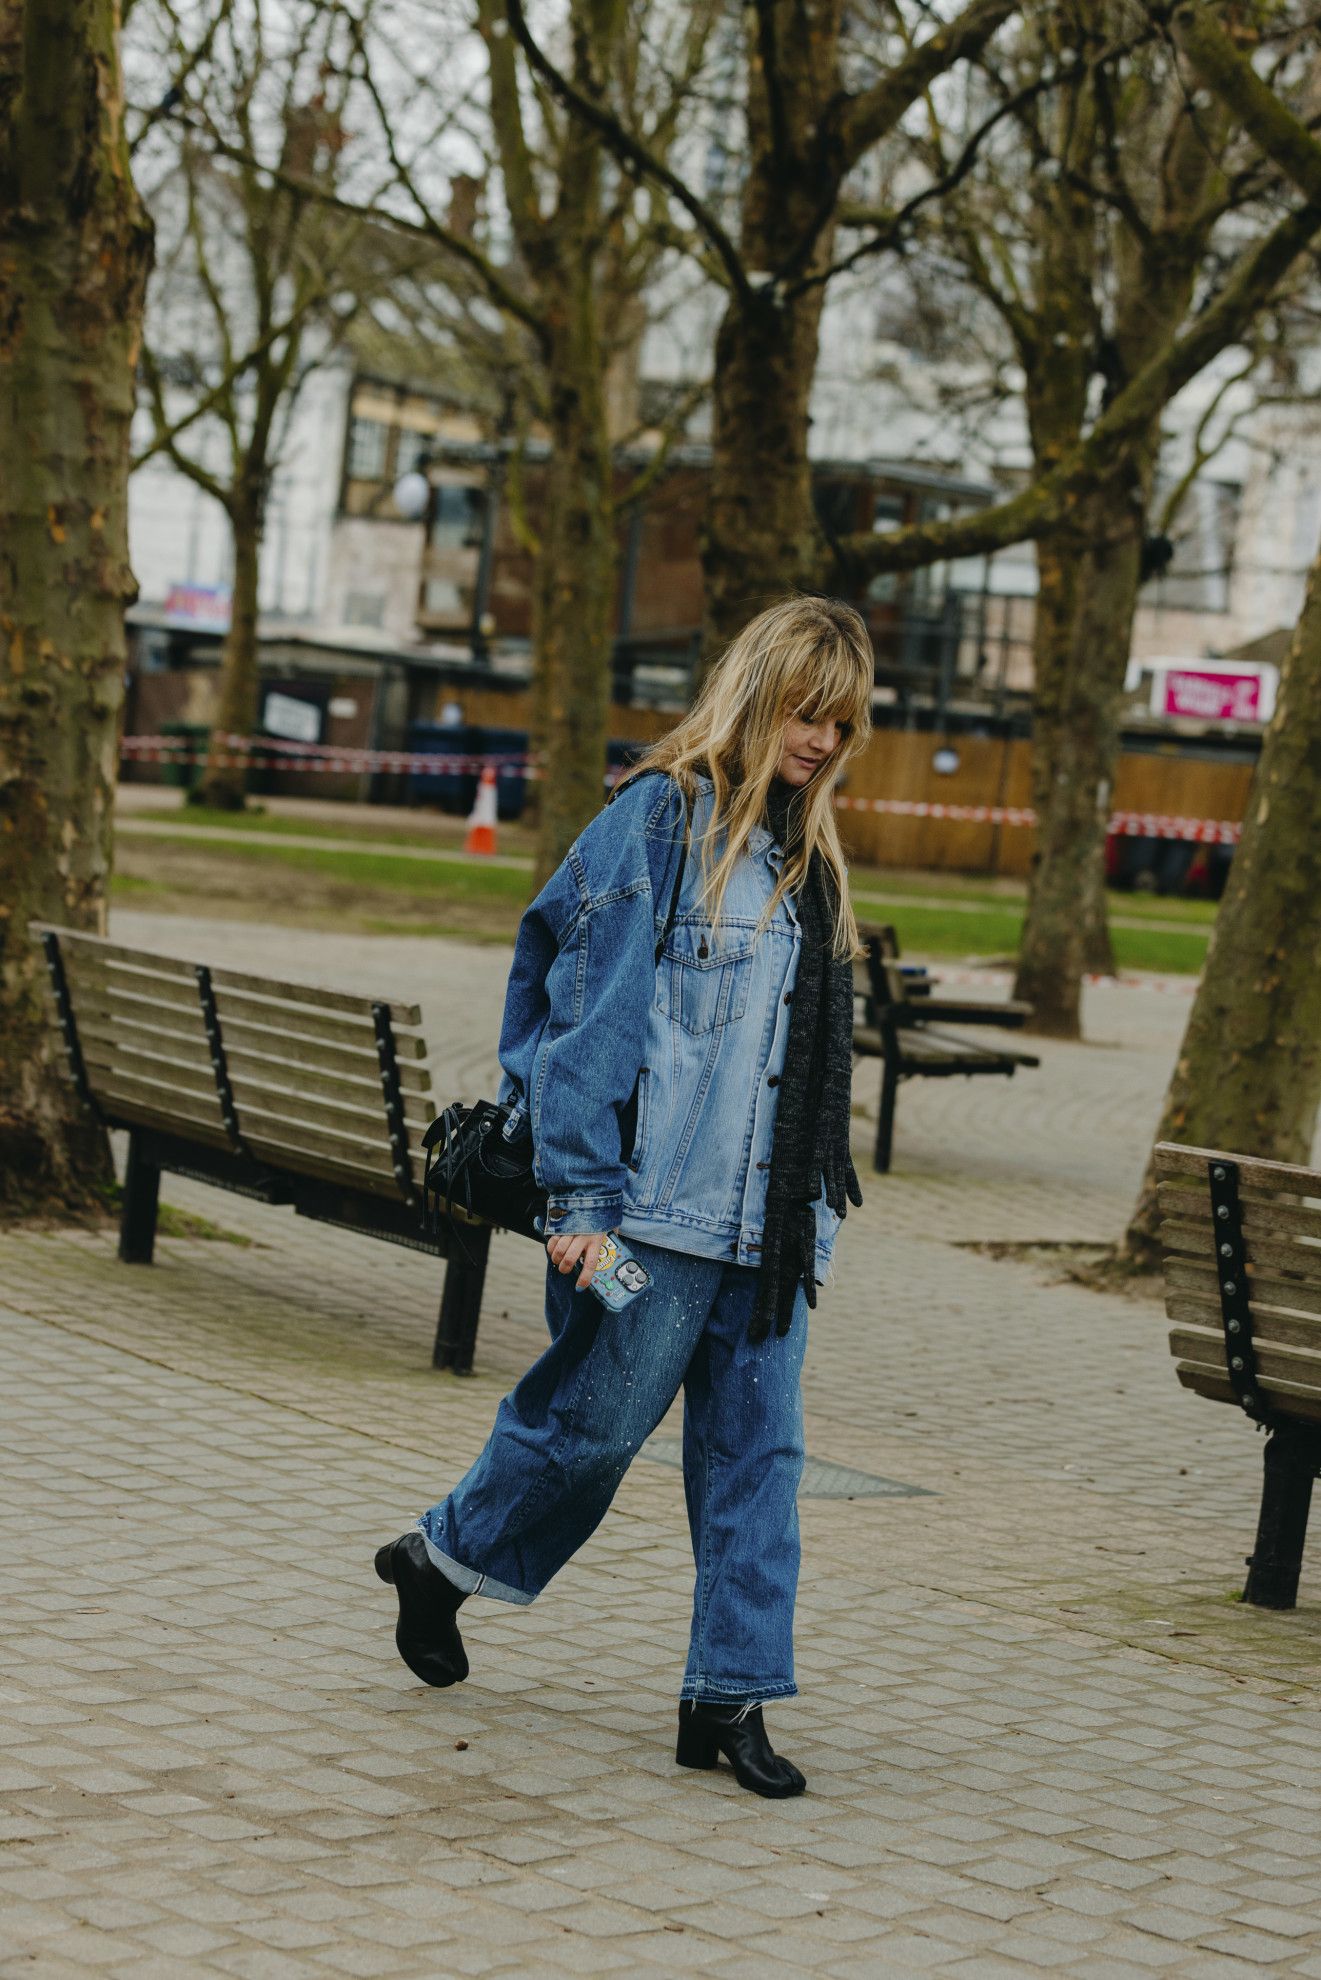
x=412 y=492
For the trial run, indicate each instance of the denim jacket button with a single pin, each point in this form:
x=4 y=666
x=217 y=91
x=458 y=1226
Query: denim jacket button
x=773 y=1079
x=552 y=1214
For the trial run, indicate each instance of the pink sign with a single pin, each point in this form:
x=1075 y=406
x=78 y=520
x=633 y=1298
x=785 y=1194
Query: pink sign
x=1212 y=697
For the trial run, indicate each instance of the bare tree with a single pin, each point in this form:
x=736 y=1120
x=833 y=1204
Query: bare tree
x=75 y=243
x=1248 y=1076
x=806 y=125
x=256 y=283
x=561 y=300
x=1096 y=227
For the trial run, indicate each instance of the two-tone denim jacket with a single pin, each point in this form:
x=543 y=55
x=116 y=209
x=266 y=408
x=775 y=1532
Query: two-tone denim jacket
x=651 y=1088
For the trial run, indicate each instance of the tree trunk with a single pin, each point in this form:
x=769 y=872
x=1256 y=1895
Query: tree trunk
x=1248 y=1076
x=75 y=247
x=225 y=780
x=760 y=535
x=1081 y=664
x=575 y=590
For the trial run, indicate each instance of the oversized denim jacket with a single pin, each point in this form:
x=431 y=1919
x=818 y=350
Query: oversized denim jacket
x=651 y=1088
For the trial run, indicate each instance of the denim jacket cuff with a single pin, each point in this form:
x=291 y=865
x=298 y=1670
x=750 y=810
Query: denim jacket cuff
x=574 y=1213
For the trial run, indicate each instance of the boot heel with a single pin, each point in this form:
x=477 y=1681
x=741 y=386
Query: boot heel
x=697 y=1745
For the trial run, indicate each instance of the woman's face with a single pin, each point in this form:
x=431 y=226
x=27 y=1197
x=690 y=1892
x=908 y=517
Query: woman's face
x=807 y=745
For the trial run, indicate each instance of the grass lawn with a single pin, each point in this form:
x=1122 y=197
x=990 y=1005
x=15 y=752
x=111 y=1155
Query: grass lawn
x=374 y=892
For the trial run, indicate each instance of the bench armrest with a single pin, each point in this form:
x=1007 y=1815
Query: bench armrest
x=932 y=1010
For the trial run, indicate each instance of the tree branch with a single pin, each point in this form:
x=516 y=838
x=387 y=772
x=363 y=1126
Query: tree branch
x=631 y=152
x=1038 y=510
x=1268 y=121
x=871 y=115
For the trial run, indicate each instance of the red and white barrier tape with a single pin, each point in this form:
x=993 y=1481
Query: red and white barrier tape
x=267 y=753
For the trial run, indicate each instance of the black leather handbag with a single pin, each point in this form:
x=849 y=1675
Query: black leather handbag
x=472 y=1167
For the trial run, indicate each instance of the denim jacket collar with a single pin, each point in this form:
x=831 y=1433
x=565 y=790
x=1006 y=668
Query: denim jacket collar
x=760 y=838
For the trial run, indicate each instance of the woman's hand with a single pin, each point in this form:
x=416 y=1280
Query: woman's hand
x=566 y=1251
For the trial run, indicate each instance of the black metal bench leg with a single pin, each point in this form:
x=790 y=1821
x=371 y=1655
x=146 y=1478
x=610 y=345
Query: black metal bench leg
x=137 y=1217
x=1291 y=1460
x=885 y=1122
x=461 y=1300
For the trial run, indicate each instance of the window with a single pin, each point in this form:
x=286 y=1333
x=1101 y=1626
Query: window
x=368 y=444
x=411 y=448
x=458 y=516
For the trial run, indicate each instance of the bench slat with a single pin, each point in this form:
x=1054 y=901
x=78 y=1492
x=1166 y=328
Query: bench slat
x=1275 y=1362
x=317 y=1066
x=151 y=1039
x=134 y=1098
x=1185 y=1241
x=1272 y=1320
x=290 y=1021
x=1263 y=1215
x=133 y=991
x=340 y=1089
x=1271 y=1288
x=367 y=1173
x=347 y=1001
x=89 y=976
x=293 y=1054
x=358 y=1117
x=256 y=1113
x=1172 y=1159
x=1207 y=1381
x=168 y=1075
x=74 y=942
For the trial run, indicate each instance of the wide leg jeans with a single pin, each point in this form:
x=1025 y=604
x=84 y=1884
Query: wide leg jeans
x=565 y=1435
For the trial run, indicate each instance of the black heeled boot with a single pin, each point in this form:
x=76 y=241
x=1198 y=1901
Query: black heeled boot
x=706 y=1731
x=426 y=1634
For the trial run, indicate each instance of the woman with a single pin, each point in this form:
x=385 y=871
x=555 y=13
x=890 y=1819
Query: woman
x=697 y=1101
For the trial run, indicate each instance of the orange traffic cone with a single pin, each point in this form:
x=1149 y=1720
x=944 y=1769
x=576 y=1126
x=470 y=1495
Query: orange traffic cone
x=481 y=819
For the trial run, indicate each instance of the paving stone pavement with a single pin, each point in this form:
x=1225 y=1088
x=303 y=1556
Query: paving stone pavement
x=1040 y=1734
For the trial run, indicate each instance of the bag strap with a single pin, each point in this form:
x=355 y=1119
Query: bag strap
x=655 y=771
x=678 y=882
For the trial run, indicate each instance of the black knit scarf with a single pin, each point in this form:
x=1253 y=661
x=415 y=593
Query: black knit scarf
x=810 y=1140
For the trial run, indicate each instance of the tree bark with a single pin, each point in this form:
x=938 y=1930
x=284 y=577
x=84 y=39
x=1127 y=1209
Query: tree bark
x=1079 y=689
x=75 y=246
x=575 y=587
x=224 y=782
x=760 y=537
x=1075 y=747
x=1248 y=1076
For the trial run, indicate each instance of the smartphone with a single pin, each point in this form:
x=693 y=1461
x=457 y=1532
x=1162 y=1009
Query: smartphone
x=618 y=1277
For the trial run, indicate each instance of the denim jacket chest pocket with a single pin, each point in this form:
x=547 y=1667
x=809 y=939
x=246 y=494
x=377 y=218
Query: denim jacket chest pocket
x=704 y=979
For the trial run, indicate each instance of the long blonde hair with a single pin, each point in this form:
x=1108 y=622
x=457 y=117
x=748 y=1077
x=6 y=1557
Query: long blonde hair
x=804 y=658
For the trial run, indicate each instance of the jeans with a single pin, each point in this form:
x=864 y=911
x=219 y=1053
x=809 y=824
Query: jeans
x=565 y=1435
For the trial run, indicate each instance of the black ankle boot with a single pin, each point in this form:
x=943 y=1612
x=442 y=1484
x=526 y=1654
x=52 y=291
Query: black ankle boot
x=706 y=1731
x=426 y=1634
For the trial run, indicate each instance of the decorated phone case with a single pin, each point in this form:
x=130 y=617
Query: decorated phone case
x=618 y=1277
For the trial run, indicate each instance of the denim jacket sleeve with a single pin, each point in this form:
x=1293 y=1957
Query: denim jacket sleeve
x=580 y=990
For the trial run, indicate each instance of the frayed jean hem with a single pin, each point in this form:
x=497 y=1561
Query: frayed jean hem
x=468 y=1579
x=718 y=1691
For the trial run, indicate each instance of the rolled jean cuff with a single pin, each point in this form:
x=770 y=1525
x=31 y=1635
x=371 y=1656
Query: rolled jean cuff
x=582 y=1216
x=468 y=1578
x=718 y=1691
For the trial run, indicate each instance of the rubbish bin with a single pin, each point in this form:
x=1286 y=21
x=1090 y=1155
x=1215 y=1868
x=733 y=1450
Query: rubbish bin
x=185 y=772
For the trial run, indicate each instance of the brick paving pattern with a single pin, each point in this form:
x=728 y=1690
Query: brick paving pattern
x=1040 y=1734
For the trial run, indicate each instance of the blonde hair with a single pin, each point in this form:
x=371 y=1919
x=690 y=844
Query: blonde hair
x=804 y=658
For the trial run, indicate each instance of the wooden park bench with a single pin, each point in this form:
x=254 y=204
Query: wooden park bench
x=1241 y=1240
x=313 y=1098
x=900 y=1022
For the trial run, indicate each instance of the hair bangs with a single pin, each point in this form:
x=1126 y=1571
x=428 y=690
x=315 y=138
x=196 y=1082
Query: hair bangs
x=836 y=684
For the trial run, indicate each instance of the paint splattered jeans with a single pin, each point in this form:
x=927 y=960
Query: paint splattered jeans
x=565 y=1435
